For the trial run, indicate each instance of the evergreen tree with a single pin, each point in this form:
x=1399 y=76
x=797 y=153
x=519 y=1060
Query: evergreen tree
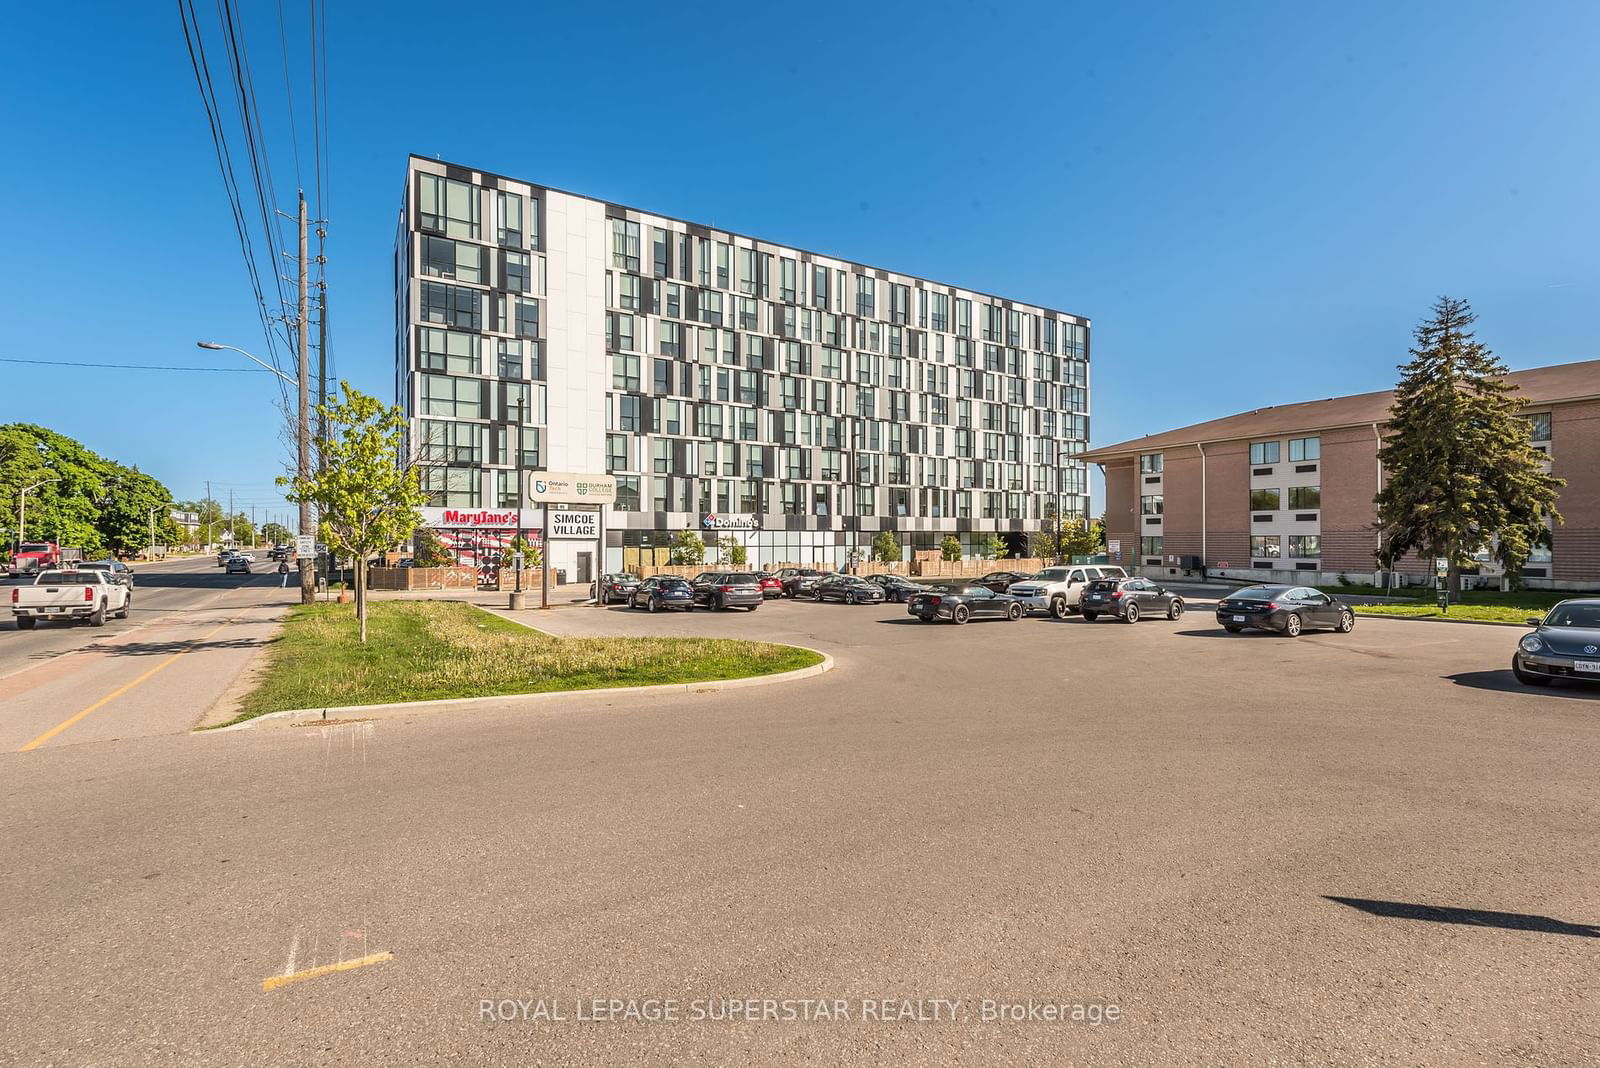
x=1460 y=474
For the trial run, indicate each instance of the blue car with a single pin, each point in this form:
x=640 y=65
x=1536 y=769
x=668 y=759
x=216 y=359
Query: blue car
x=663 y=591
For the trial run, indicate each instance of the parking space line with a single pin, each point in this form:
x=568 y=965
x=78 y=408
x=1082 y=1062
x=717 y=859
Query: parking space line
x=113 y=695
x=273 y=982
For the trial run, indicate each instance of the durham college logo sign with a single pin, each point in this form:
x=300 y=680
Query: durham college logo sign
x=713 y=521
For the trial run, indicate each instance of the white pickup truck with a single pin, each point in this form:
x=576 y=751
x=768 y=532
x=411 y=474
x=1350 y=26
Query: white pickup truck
x=91 y=595
x=1057 y=589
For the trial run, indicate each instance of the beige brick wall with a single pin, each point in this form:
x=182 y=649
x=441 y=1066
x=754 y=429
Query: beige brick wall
x=1575 y=456
x=1122 y=506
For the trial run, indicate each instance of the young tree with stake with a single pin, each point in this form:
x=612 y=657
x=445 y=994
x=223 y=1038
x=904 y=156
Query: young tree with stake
x=366 y=492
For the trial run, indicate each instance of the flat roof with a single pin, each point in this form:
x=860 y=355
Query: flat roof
x=1084 y=319
x=1559 y=383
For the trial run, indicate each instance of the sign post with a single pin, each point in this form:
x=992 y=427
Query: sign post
x=566 y=487
x=1441 y=573
x=544 y=560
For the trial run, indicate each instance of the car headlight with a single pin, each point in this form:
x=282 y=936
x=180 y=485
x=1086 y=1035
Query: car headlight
x=1531 y=644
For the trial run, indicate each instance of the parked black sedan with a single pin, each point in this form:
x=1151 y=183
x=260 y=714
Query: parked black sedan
x=1566 y=645
x=897 y=588
x=1000 y=581
x=615 y=587
x=959 y=604
x=847 y=589
x=1128 y=599
x=1286 y=610
x=663 y=591
x=727 y=589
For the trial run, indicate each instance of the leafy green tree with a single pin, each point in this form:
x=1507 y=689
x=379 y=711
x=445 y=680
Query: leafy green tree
x=1460 y=471
x=886 y=547
x=950 y=548
x=368 y=502
x=532 y=557
x=276 y=533
x=86 y=500
x=995 y=547
x=429 y=550
x=688 y=548
x=732 y=550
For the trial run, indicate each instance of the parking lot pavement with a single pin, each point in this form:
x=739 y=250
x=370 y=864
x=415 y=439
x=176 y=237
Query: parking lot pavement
x=1352 y=848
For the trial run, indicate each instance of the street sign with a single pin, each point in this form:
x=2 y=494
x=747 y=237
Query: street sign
x=575 y=526
x=1441 y=566
x=564 y=487
x=305 y=545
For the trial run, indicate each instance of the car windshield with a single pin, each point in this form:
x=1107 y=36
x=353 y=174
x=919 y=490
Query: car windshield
x=1574 y=615
x=808 y=571
x=34 y=547
x=1053 y=574
x=1258 y=593
x=739 y=579
x=1104 y=584
x=671 y=582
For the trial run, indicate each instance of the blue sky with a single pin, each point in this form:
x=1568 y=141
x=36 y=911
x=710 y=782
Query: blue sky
x=1254 y=203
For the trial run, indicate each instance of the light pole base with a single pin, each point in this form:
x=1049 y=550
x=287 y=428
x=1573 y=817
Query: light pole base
x=519 y=601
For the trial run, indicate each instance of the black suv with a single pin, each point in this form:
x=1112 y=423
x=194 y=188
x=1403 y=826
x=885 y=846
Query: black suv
x=1128 y=599
x=727 y=589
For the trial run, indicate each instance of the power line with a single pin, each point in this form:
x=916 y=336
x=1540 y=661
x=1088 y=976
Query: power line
x=140 y=366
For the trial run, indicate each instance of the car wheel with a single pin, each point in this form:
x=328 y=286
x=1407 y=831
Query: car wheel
x=689 y=607
x=25 y=622
x=721 y=605
x=97 y=618
x=1058 y=607
x=650 y=605
x=1347 y=622
x=1528 y=678
x=960 y=614
x=1175 y=609
x=753 y=607
x=1130 y=614
x=816 y=595
x=1013 y=612
x=1291 y=625
x=1090 y=617
x=127 y=606
x=1231 y=629
x=850 y=598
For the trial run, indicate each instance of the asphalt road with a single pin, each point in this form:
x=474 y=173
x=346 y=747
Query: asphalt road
x=190 y=631
x=1156 y=818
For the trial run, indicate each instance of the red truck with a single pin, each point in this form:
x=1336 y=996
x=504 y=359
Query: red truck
x=33 y=557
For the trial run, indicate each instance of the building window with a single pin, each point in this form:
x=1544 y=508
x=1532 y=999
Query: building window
x=460 y=397
x=866 y=295
x=1264 y=500
x=449 y=207
x=1150 y=463
x=624 y=371
x=444 y=258
x=451 y=443
x=1266 y=547
x=616 y=452
x=1151 y=505
x=508 y=359
x=448 y=350
x=627 y=493
x=508 y=228
x=1539 y=426
x=1305 y=545
x=628 y=413
x=1263 y=452
x=452 y=305
x=1305 y=449
x=1150 y=546
x=527 y=318
x=625 y=245
x=1305 y=498
x=452 y=487
x=660 y=262
x=519 y=277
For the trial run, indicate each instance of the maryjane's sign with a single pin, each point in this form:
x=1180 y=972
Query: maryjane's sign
x=479 y=518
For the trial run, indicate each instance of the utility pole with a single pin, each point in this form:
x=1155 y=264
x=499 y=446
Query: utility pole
x=205 y=512
x=308 y=591
x=230 y=515
x=322 y=364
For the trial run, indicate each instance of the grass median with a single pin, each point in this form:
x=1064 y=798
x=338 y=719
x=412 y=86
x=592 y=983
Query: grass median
x=1477 y=613
x=432 y=650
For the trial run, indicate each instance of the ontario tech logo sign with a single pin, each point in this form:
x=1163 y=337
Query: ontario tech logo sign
x=713 y=521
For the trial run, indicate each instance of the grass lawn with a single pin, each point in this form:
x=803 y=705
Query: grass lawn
x=426 y=650
x=1486 y=613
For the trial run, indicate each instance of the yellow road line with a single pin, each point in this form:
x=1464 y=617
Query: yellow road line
x=272 y=982
x=112 y=696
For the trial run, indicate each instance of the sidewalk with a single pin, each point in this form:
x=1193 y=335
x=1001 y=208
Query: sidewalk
x=569 y=595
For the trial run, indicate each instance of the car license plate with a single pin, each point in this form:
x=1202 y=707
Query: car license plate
x=1238 y=619
x=1586 y=665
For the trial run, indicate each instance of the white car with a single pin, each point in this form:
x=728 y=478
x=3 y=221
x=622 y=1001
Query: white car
x=70 y=595
x=1057 y=589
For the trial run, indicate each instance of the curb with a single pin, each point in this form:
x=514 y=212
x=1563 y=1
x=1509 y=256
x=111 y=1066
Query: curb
x=512 y=699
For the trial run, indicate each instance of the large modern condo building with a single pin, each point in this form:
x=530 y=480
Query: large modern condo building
x=739 y=387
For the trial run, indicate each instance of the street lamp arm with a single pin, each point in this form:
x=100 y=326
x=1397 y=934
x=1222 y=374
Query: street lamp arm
x=234 y=348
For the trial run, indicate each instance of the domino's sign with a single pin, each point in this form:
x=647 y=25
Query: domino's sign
x=713 y=521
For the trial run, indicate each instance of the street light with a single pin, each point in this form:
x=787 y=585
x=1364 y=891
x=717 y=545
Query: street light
x=308 y=593
x=234 y=348
x=22 y=506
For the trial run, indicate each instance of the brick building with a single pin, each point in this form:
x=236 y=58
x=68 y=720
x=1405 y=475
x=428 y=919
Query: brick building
x=1286 y=492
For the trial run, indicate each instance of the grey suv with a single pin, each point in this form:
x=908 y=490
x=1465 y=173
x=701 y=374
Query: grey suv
x=727 y=589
